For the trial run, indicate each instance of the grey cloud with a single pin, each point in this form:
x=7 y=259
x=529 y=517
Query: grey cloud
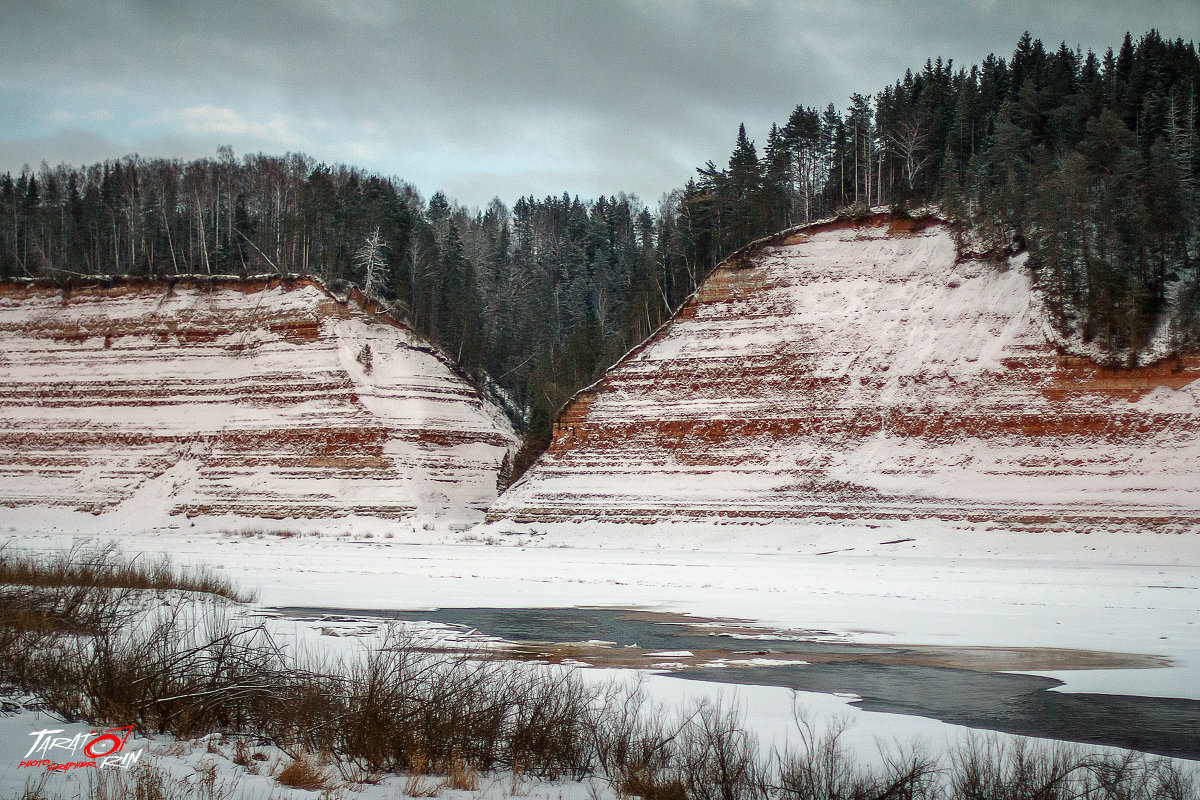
x=80 y=146
x=637 y=93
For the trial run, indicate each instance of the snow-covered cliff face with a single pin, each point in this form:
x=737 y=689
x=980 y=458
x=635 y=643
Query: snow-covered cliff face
x=861 y=375
x=139 y=406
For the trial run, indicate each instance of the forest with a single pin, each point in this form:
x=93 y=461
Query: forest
x=1090 y=163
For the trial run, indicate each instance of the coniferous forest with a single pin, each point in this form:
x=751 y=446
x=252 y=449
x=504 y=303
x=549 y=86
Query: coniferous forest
x=1090 y=162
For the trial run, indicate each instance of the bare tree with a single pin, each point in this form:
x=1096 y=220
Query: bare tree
x=909 y=139
x=370 y=258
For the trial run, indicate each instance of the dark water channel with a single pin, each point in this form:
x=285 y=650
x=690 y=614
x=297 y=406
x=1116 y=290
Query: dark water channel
x=1000 y=701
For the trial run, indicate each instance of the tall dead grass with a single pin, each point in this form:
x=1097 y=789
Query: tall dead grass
x=49 y=602
x=101 y=565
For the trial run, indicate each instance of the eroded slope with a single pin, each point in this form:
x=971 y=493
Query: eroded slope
x=862 y=374
x=143 y=404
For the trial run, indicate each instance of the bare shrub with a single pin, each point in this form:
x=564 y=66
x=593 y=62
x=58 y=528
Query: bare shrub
x=403 y=708
x=420 y=785
x=177 y=674
x=241 y=754
x=630 y=740
x=989 y=767
x=717 y=758
x=819 y=766
x=204 y=785
x=548 y=730
x=705 y=754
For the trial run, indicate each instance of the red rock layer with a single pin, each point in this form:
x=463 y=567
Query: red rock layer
x=236 y=399
x=864 y=373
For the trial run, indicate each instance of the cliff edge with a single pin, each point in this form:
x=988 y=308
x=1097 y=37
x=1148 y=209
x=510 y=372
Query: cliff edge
x=862 y=374
x=145 y=405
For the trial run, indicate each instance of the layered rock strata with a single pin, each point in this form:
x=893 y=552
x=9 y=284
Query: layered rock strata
x=252 y=400
x=862 y=372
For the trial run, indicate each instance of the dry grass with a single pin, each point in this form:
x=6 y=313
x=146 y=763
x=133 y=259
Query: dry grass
x=304 y=772
x=418 y=785
x=35 y=789
x=461 y=775
x=147 y=782
x=103 y=566
x=48 y=601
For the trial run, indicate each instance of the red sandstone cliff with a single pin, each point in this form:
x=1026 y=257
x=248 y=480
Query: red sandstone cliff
x=142 y=405
x=863 y=374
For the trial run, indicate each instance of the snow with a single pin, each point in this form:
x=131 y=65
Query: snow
x=351 y=575
x=866 y=378
x=1054 y=591
x=930 y=599
x=208 y=761
x=141 y=409
x=928 y=549
x=995 y=588
x=752 y=662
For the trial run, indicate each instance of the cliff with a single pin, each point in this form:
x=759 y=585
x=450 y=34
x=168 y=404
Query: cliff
x=138 y=405
x=863 y=374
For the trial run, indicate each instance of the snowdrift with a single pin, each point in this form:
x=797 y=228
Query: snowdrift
x=144 y=405
x=861 y=375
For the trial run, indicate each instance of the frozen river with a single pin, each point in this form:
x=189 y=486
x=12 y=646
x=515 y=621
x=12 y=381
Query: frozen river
x=915 y=680
x=1098 y=643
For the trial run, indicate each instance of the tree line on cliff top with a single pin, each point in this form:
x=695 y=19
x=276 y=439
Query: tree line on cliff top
x=1089 y=162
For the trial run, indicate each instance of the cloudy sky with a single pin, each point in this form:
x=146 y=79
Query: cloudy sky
x=486 y=98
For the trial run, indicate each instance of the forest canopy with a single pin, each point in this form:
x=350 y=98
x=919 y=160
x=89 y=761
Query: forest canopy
x=1090 y=162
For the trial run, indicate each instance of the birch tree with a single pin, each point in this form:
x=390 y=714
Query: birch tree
x=371 y=259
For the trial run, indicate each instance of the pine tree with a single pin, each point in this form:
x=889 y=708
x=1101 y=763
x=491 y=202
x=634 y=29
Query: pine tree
x=744 y=185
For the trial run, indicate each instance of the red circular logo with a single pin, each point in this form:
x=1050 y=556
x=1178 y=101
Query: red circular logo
x=89 y=748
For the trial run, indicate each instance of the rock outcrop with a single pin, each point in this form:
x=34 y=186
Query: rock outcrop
x=146 y=404
x=863 y=373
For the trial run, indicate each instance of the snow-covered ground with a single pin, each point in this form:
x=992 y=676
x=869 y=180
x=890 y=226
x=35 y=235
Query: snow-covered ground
x=994 y=589
x=771 y=711
x=997 y=589
x=961 y=576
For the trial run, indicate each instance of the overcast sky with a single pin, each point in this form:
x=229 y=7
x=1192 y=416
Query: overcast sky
x=483 y=99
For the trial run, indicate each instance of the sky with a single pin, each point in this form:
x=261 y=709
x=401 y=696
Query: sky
x=488 y=98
